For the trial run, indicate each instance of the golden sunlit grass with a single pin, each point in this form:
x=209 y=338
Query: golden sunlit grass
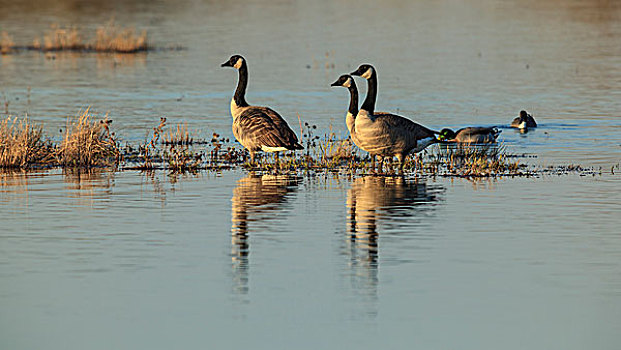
x=88 y=143
x=22 y=144
x=111 y=38
x=6 y=43
x=58 y=38
x=107 y=38
x=178 y=136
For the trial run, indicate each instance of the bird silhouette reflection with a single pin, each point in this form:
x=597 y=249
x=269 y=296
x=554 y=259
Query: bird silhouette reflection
x=255 y=200
x=393 y=203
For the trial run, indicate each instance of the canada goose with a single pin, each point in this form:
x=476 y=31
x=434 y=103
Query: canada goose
x=384 y=134
x=525 y=120
x=257 y=128
x=347 y=81
x=470 y=135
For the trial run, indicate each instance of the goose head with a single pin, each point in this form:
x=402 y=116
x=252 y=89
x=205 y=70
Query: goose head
x=446 y=134
x=236 y=61
x=344 y=80
x=365 y=70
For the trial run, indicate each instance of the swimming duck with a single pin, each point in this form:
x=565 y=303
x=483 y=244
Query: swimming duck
x=470 y=135
x=524 y=120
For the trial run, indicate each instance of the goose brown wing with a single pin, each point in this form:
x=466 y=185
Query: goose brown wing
x=404 y=125
x=260 y=128
x=280 y=123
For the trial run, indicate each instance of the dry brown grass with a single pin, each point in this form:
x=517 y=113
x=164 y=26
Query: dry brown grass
x=472 y=160
x=108 y=38
x=58 y=38
x=22 y=144
x=178 y=136
x=111 y=38
x=88 y=143
x=6 y=43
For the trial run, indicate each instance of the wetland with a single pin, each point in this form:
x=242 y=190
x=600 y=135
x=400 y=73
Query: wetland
x=176 y=242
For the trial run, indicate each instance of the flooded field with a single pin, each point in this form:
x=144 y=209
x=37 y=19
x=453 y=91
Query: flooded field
x=229 y=259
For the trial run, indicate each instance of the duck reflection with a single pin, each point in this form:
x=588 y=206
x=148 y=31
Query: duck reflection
x=255 y=200
x=373 y=201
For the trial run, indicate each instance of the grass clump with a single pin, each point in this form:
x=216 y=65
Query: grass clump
x=58 y=38
x=181 y=158
x=88 y=143
x=111 y=38
x=470 y=160
x=6 y=43
x=166 y=150
x=22 y=144
x=108 y=38
x=178 y=136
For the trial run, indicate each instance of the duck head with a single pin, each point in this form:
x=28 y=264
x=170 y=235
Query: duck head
x=446 y=134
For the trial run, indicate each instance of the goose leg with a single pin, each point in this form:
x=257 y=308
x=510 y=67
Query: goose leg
x=380 y=160
x=251 y=158
x=276 y=159
x=372 y=163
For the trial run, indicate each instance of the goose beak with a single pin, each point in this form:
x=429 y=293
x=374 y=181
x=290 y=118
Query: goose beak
x=356 y=73
x=336 y=83
x=226 y=64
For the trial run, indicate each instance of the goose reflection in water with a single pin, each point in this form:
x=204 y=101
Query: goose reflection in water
x=256 y=199
x=395 y=204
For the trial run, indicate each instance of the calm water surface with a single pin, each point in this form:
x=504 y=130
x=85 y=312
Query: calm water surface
x=133 y=260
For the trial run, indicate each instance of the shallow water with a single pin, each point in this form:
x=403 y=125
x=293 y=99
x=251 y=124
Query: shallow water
x=225 y=260
x=274 y=261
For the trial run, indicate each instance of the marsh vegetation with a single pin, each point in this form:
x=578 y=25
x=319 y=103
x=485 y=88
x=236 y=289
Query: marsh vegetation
x=89 y=141
x=109 y=37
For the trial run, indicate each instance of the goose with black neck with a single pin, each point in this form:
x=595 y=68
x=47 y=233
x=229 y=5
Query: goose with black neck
x=348 y=82
x=386 y=135
x=257 y=128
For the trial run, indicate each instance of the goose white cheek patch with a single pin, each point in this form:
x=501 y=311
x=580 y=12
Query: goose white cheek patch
x=368 y=73
x=238 y=64
x=347 y=83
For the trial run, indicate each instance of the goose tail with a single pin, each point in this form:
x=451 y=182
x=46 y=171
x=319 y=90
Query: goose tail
x=295 y=146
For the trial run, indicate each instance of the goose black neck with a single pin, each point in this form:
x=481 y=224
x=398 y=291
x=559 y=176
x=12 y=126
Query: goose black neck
x=369 y=102
x=242 y=83
x=353 y=100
